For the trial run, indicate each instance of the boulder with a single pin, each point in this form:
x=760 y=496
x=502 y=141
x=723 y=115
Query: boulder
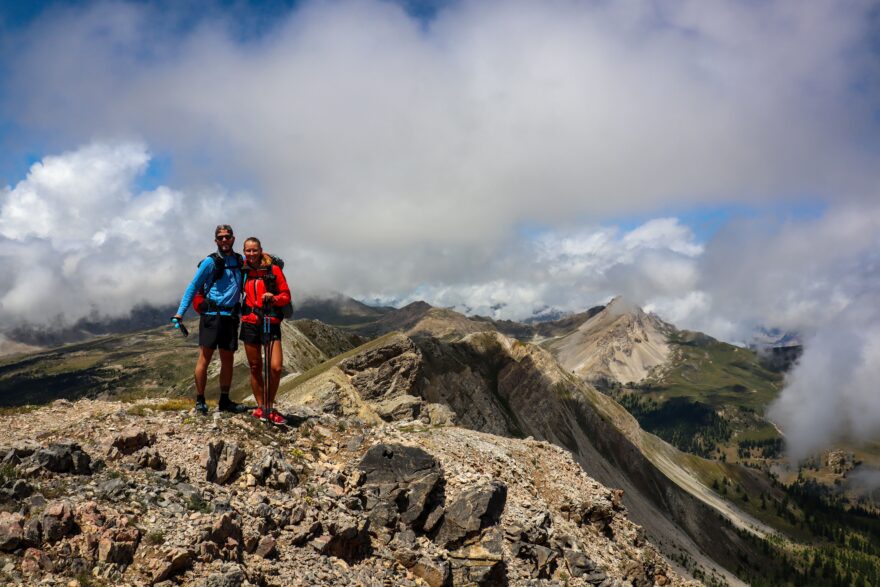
x=35 y=561
x=62 y=457
x=13 y=455
x=174 y=562
x=224 y=539
x=11 y=531
x=132 y=440
x=231 y=578
x=402 y=407
x=57 y=521
x=15 y=489
x=434 y=572
x=470 y=512
x=273 y=471
x=221 y=461
x=266 y=547
x=150 y=459
x=33 y=532
x=118 y=545
x=225 y=527
x=580 y=565
x=399 y=481
x=344 y=537
x=114 y=489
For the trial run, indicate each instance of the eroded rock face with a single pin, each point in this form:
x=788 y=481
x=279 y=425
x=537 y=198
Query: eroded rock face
x=386 y=372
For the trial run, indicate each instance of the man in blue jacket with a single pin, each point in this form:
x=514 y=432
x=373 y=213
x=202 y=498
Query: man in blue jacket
x=219 y=277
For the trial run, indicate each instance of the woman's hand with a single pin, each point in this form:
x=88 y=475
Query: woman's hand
x=268 y=298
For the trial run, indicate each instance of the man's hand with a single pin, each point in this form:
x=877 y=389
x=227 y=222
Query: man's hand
x=177 y=320
x=268 y=299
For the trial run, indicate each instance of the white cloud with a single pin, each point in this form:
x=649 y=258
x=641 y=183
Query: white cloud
x=370 y=132
x=76 y=236
x=831 y=395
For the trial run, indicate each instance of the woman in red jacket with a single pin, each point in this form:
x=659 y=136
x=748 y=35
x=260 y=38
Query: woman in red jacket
x=264 y=287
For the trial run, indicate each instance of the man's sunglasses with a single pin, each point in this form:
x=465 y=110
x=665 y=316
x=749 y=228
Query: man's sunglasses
x=224 y=237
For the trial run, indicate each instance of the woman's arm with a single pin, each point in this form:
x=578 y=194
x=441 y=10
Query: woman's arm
x=282 y=298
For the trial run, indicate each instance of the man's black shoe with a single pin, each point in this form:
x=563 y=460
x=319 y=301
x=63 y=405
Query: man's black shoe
x=231 y=406
x=201 y=408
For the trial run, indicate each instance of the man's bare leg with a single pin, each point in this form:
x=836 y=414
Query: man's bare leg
x=201 y=374
x=226 y=364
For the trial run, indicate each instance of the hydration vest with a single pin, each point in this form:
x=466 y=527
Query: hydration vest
x=201 y=303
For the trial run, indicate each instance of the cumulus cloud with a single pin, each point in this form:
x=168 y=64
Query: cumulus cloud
x=369 y=129
x=77 y=238
x=572 y=270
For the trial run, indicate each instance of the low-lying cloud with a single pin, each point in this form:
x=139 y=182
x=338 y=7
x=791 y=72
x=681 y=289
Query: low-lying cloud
x=831 y=395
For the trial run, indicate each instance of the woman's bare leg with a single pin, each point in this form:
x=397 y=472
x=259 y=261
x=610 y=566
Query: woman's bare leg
x=277 y=359
x=255 y=362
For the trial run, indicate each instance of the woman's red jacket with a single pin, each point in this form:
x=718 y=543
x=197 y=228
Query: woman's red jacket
x=255 y=287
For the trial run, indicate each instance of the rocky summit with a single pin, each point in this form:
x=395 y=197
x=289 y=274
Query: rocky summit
x=147 y=493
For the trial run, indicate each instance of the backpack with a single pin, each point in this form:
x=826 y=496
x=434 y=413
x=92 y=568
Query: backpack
x=200 y=302
x=272 y=287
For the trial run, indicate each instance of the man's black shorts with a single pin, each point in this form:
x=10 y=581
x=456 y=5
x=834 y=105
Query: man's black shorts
x=217 y=331
x=253 y=333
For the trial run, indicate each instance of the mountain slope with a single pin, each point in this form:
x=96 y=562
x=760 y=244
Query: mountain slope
x=151 y=362
x=495 y=384
x=420 y=318
x=336 y=309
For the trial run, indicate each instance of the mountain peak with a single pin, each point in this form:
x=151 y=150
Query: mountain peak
x=417 y=306
x=619 y=306
x=620 y=343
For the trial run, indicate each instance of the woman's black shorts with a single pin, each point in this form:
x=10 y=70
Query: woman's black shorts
x=217 y=331
x=253 y=333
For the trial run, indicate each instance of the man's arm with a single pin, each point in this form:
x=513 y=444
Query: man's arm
x=206 y=268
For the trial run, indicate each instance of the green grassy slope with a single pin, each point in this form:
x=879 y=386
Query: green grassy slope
x=709 y=401
x=151 y=362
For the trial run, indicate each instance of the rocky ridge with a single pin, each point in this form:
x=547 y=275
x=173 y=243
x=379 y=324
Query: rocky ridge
x=114 y=493
x=488 y=382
